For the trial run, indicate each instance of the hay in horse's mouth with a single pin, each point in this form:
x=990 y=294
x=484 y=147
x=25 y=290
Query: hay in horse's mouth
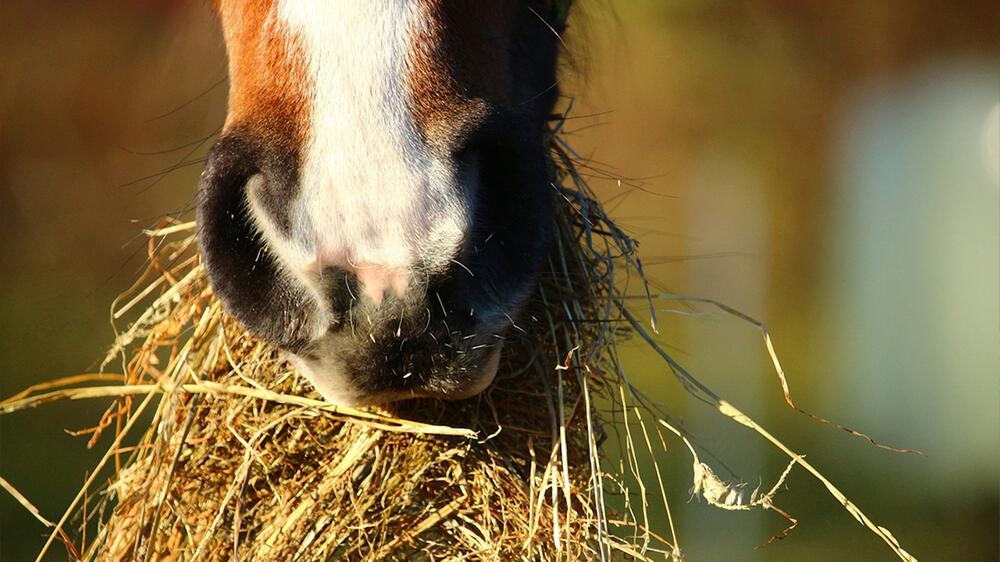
x=233 y=456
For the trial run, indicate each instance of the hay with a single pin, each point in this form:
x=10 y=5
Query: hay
x=222 y=452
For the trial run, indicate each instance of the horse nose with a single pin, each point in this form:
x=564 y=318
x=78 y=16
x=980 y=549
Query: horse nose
x=371 y=306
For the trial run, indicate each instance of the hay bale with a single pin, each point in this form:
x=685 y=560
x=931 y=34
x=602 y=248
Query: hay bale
x=241 y=458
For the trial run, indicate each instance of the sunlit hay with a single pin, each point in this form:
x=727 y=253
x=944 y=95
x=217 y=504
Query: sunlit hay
x=219 y=451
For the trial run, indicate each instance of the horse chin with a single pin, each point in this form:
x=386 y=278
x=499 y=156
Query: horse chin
x=335 y=386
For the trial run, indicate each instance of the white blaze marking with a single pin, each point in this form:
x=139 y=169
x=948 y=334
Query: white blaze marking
x=372 y=199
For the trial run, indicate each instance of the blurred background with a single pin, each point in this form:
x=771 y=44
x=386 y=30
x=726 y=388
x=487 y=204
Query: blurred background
x=832 y=169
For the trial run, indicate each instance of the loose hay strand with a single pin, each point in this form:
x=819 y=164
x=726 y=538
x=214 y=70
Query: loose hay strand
x=93 y=476
x=384 y=422
x=25 y=503
x=731 y=412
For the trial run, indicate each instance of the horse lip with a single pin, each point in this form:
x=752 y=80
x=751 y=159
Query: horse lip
x=340 y=390
x=487 y=372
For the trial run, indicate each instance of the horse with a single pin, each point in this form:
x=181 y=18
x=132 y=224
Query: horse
x=378 y=203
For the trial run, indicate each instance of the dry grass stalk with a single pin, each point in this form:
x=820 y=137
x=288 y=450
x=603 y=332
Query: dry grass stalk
x=240 y=460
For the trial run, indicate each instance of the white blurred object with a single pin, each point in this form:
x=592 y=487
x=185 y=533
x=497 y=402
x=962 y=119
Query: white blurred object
x=991 y=144
x=916 y=273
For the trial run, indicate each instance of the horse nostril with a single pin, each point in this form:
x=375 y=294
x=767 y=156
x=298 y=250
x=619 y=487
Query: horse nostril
x=244 y=275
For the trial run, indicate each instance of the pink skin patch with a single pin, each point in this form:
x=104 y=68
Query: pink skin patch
x=374 y=279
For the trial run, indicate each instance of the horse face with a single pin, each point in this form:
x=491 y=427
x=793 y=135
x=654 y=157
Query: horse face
x=378 y=202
